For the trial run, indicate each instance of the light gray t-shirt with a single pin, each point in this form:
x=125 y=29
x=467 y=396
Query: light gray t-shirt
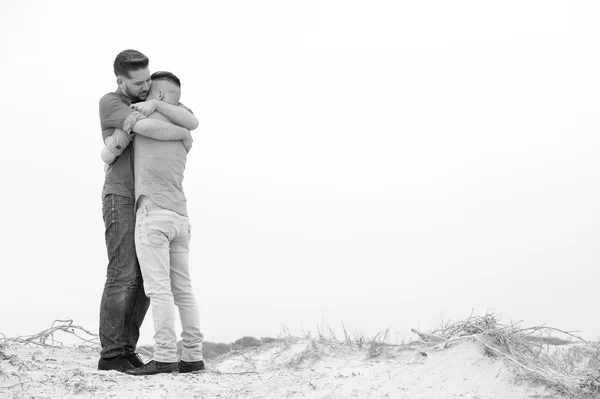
x=159 y=167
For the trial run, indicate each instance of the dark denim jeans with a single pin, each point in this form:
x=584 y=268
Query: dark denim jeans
x=124 y=303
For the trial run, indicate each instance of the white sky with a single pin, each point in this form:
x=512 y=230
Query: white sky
x=380 y=163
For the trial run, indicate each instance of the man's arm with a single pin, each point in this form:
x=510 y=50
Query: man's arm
x=187 y=141
x=107 y=155
x=188 y=144
x=114 y=146
x=160 y=129
x=179 y=115
x=115 y=114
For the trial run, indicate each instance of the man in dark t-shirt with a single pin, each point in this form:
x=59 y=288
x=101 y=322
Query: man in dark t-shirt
x=124 y=303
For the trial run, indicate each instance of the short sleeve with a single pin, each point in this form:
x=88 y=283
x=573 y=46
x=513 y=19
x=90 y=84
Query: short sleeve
x=131 y=120
x=113 y=111
x=116 y=114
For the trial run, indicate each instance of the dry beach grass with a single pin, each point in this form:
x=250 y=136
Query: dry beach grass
x=475 y=358
x=568 y=366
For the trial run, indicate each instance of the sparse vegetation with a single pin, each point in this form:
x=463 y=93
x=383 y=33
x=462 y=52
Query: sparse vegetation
x=212 y=350
x=378 y=343
x=325 y=343
x=541 y=355
x=567 y=365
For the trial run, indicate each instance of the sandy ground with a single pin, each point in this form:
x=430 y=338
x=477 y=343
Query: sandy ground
x=294 y=368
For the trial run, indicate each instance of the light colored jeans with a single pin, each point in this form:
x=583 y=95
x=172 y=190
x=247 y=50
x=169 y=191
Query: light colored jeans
x=162 y=240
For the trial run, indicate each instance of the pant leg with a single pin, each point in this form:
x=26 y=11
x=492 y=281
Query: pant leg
x=124 y=303
x=153 y=233
x=181 y=286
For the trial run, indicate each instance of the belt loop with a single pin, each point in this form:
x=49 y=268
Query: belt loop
x=145 y=210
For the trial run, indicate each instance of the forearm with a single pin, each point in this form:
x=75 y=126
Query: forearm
x=107 y=156
x=114 y=146
x=160 y=129
x=178 y=115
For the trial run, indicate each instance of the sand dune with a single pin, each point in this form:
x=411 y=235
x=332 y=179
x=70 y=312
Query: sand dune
x=287 y=368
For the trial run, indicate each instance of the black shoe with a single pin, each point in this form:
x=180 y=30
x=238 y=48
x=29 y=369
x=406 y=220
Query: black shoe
x=135 y=360
x=154 y=367
x=190 y=367
x=118 y=363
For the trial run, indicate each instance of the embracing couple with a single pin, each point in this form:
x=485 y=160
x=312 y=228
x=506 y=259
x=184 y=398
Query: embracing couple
x=146 y=131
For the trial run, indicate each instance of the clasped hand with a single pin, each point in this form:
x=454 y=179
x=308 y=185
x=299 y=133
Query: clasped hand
x=145 y=107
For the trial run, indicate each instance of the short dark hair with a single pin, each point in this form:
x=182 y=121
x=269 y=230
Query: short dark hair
x=129 y=60
x=166 y=76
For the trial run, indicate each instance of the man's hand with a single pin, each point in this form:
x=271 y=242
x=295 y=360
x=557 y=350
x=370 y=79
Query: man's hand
x=145 y=107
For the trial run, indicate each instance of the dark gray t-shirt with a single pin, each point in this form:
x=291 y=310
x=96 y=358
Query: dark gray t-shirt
x=115 y=113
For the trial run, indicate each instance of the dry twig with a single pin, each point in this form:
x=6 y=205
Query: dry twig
x=46 y=337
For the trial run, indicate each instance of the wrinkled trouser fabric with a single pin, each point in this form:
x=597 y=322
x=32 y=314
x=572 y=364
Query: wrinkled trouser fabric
x=162 y=240
x=124 y=303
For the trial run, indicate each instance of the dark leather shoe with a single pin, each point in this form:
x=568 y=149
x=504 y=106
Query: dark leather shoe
x=154 y=367
x=118 y=363
x=135 y=360
x=190 y=367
